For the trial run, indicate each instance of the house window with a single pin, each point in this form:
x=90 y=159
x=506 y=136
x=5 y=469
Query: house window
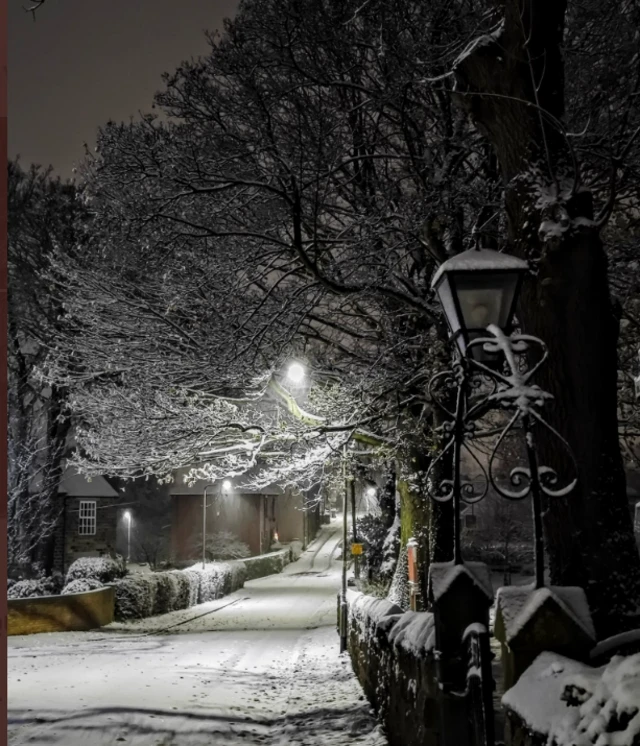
x=87 y=518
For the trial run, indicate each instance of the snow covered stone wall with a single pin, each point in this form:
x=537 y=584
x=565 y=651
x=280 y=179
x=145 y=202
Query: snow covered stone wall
x=392 y=656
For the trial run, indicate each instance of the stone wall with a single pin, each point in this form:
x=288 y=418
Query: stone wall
x=77 y=611
x=392 y=656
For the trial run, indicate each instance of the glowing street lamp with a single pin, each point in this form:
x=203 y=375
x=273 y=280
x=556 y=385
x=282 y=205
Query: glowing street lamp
x=226 y=485
x=295 y=373
x=127 y=517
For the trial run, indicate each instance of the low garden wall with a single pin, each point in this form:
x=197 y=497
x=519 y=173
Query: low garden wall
x=77 y=611
x=391 y=654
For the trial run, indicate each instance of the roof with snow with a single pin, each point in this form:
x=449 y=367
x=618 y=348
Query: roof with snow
x=479 y=260
x=442 y=575
x=74 y=484
x=518 y=605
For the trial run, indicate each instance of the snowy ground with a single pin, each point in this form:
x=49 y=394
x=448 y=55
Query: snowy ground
x=260 y=666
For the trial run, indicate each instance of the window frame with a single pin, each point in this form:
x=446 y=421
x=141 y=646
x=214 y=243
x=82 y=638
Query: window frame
x=87 y=517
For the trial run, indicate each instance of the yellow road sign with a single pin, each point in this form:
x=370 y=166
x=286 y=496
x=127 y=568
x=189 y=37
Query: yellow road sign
x=356 y=549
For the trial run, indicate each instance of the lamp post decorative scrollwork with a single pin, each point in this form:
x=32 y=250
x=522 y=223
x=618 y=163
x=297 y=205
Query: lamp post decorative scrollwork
x=490 y=374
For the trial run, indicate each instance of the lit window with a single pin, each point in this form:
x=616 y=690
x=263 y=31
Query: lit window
x=87 y=518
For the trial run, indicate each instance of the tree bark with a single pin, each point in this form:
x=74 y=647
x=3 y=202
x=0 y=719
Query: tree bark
x=512 y=85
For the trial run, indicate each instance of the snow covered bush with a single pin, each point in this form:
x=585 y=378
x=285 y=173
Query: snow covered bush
x=49 y=586
x=135 y=597
x=105 y=569
x=10 y=582
x=221 y=545
x=217 y=579
x=167 y=594
x=193 y=579
x=81 y=585
x=371 y=530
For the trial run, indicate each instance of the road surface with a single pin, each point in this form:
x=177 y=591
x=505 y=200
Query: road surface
x=260 y=666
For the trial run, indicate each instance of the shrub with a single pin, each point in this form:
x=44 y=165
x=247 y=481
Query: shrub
x=183 y=595
x=81 y=585
x=135 y=597
x=218 y=579
x=372 y=532
x=221 y=545
x=193 y=578
x=167 y=592
x=50 y=586
x=105 y=569
x=10 y=582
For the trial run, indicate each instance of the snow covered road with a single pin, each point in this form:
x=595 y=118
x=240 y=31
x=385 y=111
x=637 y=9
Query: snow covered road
x=260 y=666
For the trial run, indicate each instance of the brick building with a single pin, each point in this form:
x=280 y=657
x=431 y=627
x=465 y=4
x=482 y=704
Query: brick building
x=88 y=521
x=255 y=517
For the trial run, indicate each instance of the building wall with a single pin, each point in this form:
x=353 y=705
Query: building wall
x=289 y=518
x=243 y=515
x=103 y=542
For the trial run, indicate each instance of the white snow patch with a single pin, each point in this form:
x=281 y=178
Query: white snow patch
x=518 y=604
x=414 y=632
x=443 y=574
x=537 y=695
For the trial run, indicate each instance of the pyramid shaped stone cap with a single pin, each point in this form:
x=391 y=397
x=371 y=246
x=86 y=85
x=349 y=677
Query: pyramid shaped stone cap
x=518 y=606
x=444 y=575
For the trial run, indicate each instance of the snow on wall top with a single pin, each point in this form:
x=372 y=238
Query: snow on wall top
x=414 y=632
x=518 y=604
x=537 y=695
x=479 y=259
x=369 y=609
x=443 y=574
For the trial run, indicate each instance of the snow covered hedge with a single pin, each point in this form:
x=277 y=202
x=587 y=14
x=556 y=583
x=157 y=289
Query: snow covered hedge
x=140 y=596
x=104 y=569
x=33 y=588
x=81 y=585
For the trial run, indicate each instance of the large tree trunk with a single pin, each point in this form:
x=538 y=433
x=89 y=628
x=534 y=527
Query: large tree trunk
x=510 y=83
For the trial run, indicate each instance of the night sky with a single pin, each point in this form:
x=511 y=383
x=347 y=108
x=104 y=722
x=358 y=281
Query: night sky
x=84 y=62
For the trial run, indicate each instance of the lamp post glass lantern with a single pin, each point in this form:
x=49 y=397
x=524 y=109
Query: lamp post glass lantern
x=476 y=289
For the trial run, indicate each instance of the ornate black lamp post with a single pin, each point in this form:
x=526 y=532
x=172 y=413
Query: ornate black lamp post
x=478 y=291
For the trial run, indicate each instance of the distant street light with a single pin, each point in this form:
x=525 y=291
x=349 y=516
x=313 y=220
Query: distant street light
x=127 y=517
x=204 y=524
x=226 y=485
x=371 y=492
x=295 y=373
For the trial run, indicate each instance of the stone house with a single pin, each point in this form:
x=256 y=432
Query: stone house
x=88 y=521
